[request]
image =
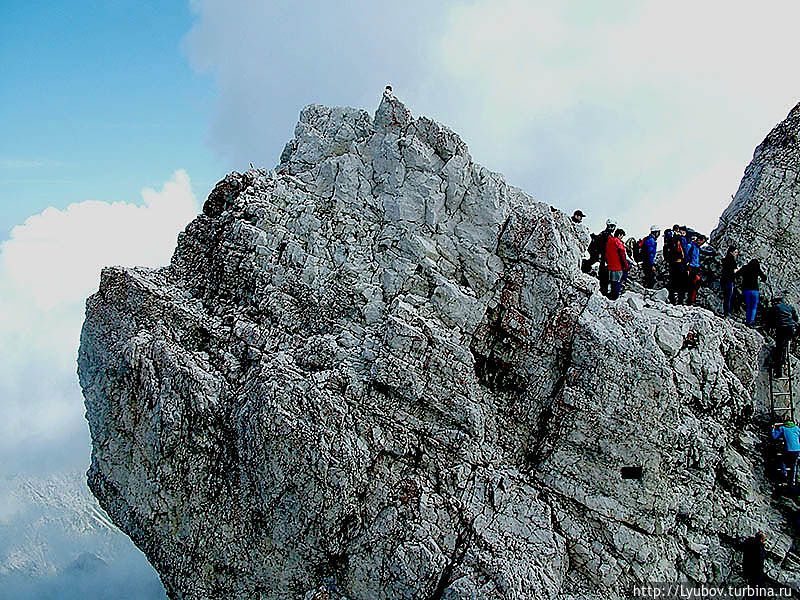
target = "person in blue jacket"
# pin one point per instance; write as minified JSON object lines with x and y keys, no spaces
{"x":791,"y":437}
{"x":649,"y":264}
{"x":693,"y":268}
{"x":682,"y":232}
{"x":694,"y":249}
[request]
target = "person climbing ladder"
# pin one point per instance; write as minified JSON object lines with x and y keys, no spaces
{"x":783,"y":319}
{"x":791,"y":437}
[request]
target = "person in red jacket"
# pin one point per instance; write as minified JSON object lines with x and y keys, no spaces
{"x":617,"y":261}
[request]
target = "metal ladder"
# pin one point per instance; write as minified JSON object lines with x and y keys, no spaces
{"x":781,"y":391}
{"x":781,"y":398}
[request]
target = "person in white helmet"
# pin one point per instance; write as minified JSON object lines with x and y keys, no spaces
{"x":605,"y":282}
{"x":597,"y":252}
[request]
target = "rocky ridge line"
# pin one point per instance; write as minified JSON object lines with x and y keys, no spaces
{"x":762,"y":217}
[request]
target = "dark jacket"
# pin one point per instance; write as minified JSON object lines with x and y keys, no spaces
{"x":597,"y":249}
{"x":750,"y":274}
{"x":674,"y":252}
{"x":783,"y":315}
{"x":728,"y":268}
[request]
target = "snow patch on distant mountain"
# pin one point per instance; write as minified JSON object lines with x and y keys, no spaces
{"x":56,"y":542}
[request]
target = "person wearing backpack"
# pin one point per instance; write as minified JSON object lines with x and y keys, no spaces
{"x":695,"y":269}
{"x":683,"y":232}
{"x":692,"y":268}
{"x":669,"y":233}
{"x":597,"y":252}
{"x":617,"y":260}
{"x":783,"y":319}
{"x":676,"y":260}
{"x":647,"y":253}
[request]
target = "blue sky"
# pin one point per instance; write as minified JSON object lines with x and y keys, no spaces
{"x":98,"y":101}
{"x":632,"y":110}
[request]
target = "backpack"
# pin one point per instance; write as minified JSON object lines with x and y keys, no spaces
{"x":595,"y":248}
{"x":630,"y":246}
{"x":673,"y":251}
{"x":639,"y":251}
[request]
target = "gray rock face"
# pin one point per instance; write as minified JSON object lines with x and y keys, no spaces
{"x":762,"y":218}
{"x":377,"y":372}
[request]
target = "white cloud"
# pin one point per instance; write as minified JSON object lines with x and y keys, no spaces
{"x":270,"y":59}
{"x":48,"y":267}
{"x":24,"y":163}
{"x":620,"y":107}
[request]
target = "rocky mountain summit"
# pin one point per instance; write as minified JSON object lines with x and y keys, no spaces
{"x":762,"y":218}
{"x":377,"y":372}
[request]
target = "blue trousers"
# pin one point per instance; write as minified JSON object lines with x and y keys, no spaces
{"x":751,"y":301}
{"x":727,"y":297}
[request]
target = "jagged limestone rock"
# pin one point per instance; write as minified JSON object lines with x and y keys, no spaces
{"x":377,"y":372}
{"x":762,"y":218}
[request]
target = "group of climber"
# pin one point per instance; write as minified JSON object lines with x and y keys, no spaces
{"x":682,"y":252}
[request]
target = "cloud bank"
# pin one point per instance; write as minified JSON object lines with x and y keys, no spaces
{"x":648,"y":111}
{"x":270,"y":59}
{"x":48,"y":267}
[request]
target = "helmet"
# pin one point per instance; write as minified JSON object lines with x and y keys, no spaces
{"x":611,"y":222}
{"x":653,"y":228}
